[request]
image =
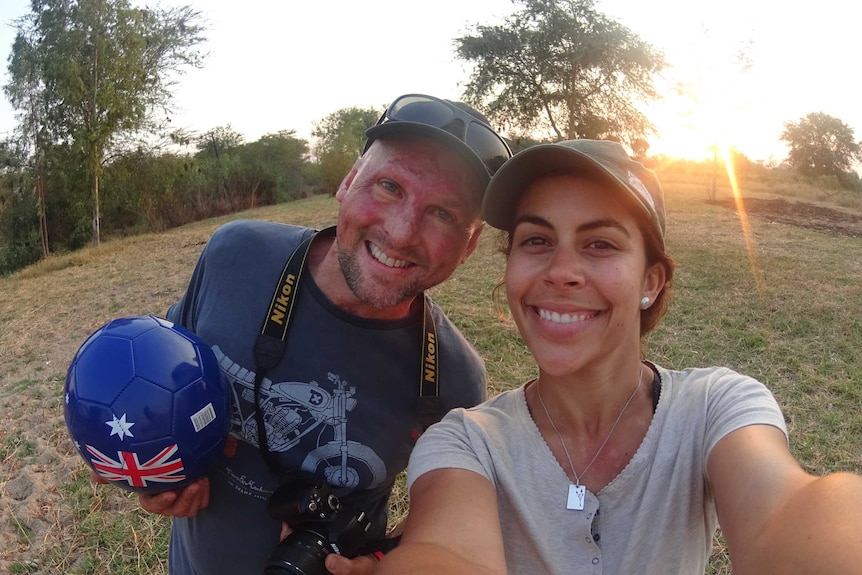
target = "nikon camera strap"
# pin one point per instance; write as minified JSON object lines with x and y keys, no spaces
{"x":270,"y":345}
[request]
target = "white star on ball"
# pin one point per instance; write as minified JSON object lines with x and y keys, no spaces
{"x":120,"y":426}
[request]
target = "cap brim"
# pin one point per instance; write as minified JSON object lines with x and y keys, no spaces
{"x":442,"y":136}
{"x":509,"y":183}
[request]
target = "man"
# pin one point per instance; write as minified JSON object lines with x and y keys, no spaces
{"x":326,"y":393}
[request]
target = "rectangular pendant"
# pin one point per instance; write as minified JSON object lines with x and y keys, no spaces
{"x":577,"y":494}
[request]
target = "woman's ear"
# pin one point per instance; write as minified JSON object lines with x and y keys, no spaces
{"x":655,"y":279}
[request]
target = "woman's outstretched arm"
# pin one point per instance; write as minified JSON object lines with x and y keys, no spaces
{"x":453,"y":527}
{"x":776,"y":517}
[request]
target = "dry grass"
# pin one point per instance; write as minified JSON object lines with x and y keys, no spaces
{"x":789,"y":316}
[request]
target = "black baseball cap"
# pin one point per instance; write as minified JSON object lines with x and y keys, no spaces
{"x":455,"y":124}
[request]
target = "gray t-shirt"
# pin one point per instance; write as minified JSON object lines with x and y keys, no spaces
{"x":656,"y":517}
{"x":341,"y":403}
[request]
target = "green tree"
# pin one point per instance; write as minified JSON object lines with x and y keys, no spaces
{"x":247,"y":175}
{"x":272,"y":167}
{"x":340,"y":140}
{"x":639,"y":148}
{"x":85,"y":72}
{"x":28,"y":95}
{"x":18,"y":233}
{"x":215,"y":152}
{"x":28,"y":219}
{"x":215,"y":142}
{"x":821,"y":145}
{"x":564,"y":66}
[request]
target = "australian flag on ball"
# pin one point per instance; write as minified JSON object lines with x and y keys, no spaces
{"x":160,"y":469}
{"x":146,"y":404}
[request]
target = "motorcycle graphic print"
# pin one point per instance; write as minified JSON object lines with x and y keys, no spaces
{"x":307,"y":416}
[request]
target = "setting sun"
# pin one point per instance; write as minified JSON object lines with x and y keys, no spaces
{"x":706,"y":100}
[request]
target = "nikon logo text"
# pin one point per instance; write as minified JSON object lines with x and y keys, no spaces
{"x":283,"y":300}
{"x":431,"y":358}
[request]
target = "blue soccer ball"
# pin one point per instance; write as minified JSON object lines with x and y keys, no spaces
{"x":146,"y":405}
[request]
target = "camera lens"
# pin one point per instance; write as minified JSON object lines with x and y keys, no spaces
{"x":301,"y":553}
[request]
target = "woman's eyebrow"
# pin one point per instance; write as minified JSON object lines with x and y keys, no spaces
{"x":586,"y":226}
{"x":535,"y":220}
{"x":604,"y":223}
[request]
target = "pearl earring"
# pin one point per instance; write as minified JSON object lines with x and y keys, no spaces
{"x":645,"y":302}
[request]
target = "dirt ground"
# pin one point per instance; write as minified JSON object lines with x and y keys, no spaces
{"x":821,"y":218}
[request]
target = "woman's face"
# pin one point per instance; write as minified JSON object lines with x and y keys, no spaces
{"x":576,"y":274}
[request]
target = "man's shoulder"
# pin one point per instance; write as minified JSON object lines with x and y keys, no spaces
{"x":251,"y":230}
{"x":461,"y":364}
{"x":255,"y":237}
{"x":446,"y":328}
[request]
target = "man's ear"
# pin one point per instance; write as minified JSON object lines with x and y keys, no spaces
{"x":474,"y":240}
{"x":345,"y":184}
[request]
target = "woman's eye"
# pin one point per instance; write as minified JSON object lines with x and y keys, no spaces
{"x":600,"y":245}
{"x":534,"y":241}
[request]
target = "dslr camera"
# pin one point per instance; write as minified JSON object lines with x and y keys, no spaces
{"x":320,"y":524}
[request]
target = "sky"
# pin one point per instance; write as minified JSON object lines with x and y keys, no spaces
{"x":285,"y":64}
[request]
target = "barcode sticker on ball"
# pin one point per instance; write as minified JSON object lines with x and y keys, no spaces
{"x":203,"y":417}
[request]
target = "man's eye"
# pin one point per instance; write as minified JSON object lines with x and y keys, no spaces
{"x":445,"y":216}
{"x":389,"y":186}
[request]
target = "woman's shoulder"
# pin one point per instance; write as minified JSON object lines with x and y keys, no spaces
{"x":496,"y":411}
{"x":708,"y":377}
{"x":499,"y":423}
{"x":704,"y":404}
{"x":506,"y":401}
{"x":717,"y":391}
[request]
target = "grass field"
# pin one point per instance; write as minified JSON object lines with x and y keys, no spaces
{"x":784,"y":306}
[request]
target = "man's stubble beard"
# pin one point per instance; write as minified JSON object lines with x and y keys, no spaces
{"x":377,"y":297}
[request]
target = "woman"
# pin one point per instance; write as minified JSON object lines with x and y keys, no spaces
{"x":606,"y":463}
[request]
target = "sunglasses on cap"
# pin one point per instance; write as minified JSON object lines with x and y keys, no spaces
{"x":478,"y":136}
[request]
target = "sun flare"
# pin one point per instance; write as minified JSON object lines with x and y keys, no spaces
{"x":750,"y":247}
{"x":705,"y":117}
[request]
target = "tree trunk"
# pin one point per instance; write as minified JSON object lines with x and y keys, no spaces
{"x":713,"y":192}
{"x":254,"y":187}
{"x":97,"y":234}
{"x":43,"y":217}
{"x":95,"y":155}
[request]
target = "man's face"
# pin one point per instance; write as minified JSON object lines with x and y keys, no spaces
{"x":410,"y":214}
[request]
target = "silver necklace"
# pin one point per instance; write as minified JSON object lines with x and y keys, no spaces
{"x":577,"y":492}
